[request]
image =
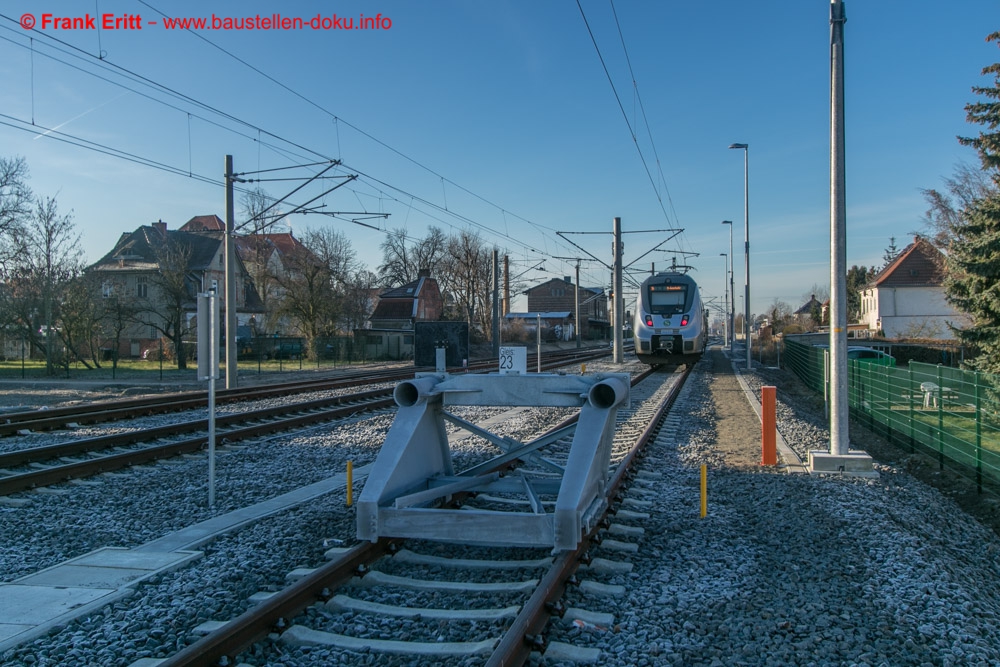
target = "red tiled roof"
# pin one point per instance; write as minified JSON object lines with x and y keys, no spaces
{"x":920,"y":264}
{"x":393,"y":309}
{"x":201,"y":223}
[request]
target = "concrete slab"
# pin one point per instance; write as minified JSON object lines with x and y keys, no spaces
{"x":345,"y":602}
{"x":598,"y":618}
{"x":84,"y":576}
{"x":407,"y":556}
{"x":562,"y":652}
{"x":617,"y":545}
{"x":298,"y":635}
{"x":855,"y":463}
{"x":598,"y":589}
{"x":33,"y":605}
{"x":627,"y":531}
{"x":376,"y":578}
{"x":8,"y":630}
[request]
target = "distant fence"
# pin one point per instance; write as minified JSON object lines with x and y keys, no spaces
{"x":948,"y":413}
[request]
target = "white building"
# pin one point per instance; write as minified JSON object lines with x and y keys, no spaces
{"x":907,"y":300}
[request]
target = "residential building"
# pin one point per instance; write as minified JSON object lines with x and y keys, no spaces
{"x":906,"y":299}
{"x":152,"y":271}
{"x":397,"y":310}
{"x":559,"y":295}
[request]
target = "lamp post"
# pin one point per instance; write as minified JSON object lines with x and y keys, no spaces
{"x":746,"y":242}
{"x":732,"y":290}
{"x":725,"y":286}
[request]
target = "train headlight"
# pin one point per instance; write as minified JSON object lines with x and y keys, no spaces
{"x":684,"y":321}
{"x":649,"y":320}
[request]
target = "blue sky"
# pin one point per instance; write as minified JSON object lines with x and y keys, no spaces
{"x":498,"y":116}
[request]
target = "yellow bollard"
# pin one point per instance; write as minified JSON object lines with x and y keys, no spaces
{"x":583,"y":369}
{"x":350,"y":483}
{"x":704,"y":490}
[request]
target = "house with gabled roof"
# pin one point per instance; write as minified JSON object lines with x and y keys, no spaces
{"x":559,"y":294}
{"x":132,"y":273}
{"x":396,"y":313}
{"x":906,"y":299}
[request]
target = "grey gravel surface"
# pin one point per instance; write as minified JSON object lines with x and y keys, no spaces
{"x":784,"y":570}
{"x":130,"y":508}
{"x":795,"y":569}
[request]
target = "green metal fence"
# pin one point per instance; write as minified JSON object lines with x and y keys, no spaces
{"x":948,"y":413}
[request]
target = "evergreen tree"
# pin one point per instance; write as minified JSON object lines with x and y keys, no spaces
{"x":987,"y":113}
{"x":972,"y":280}
{"x":890,"y":253}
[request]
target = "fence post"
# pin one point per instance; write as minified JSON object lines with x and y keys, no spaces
{"x":979,"y":438}
{"x":940,"y":407}
{"x":909,"y":368}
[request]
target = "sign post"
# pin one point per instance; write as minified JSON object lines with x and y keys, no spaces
{"x":208,"y":369}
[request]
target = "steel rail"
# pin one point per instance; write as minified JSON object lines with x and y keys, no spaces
{"x":225,"y":643}
{"x":56,"y":474}
{"x":268,"y":615}
{"x":525,"y":633}
{"x":103,"y":411}
{"x":62,"y":473}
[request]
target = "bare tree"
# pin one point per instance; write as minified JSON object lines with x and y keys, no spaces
{"x":943,"y":216}
{"x":309,"y":300}
{"x":16,"y":202}
{"x":80,"y":315}
{"x":258,"y":251}
{"x":48,"y":248}
{"x":398,"y":267}
{"x":403,"y":258}
{"x":357,"y":302}
{"x":164,"y":306}
{"x":117,"y":313}
{"x":467,"y":280}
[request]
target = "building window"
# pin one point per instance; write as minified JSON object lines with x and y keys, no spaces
{"x":107,"y":290}
{"x":141,"y":287}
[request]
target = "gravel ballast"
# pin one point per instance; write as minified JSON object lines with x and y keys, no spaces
{"x":784,"y":570}
{"x":795,"y":569}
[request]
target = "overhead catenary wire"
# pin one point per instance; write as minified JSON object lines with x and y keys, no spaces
{"x":621,"y":106}
{"x":70,"y":50}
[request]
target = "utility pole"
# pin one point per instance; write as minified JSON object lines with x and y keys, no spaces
{"x":496,"y":303}
{"x":576,"y":305}
{"x":506,"y":286}
{"x":230,"y":262}
{"x":619,"y":301}
{"x":839,"y":418}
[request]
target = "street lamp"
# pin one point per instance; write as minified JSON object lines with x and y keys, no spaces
{"x":732,"y":289}
{"x":746,"y":241}
{"x":725,"y":285}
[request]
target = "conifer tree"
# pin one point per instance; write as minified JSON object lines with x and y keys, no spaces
{"x":972,"y":279}
{"x":972,"y":276}
{"x":987,"y":113}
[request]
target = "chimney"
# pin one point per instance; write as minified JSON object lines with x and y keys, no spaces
{"x":161,"y":227}
{"x":568,"y":279}
{"x":424,"y":273}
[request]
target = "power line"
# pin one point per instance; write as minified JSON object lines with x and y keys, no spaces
{"x":614,"y":90}
{"x":357,"y":129}
{"x":70,"y":50}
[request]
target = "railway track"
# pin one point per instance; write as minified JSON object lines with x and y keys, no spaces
{"x":20,"y":423}
{"x":52,"y":464}
{"x":503,"y":598}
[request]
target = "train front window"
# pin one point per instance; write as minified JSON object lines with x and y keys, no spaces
{"x":667,"y":299}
